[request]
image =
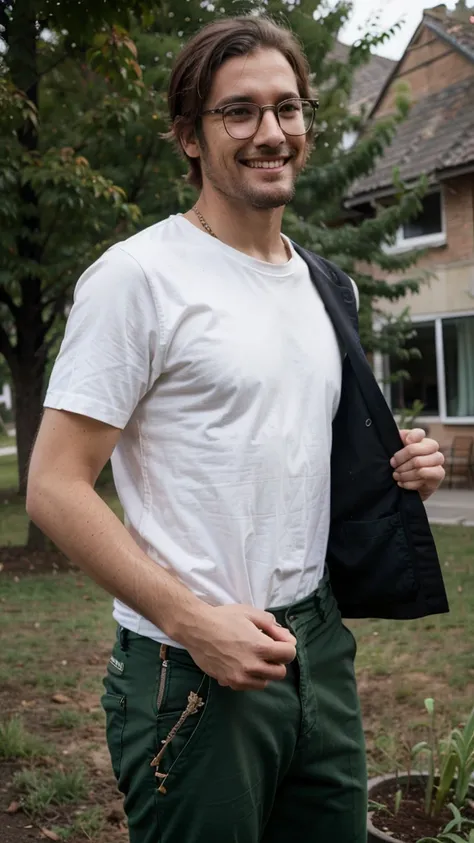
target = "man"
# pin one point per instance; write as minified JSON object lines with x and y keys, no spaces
{"x":199,"y":355}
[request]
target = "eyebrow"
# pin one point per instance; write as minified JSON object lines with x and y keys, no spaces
{"x":289,"y":95}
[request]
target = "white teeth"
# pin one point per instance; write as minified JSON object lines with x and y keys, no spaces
{"x":266,"y":165}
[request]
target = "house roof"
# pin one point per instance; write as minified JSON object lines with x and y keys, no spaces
{"x":368,"y":80}
{"x":437,"y":136}
{"x":458,"y":33}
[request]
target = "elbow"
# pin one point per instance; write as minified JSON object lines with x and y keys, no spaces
{"x":38,"y":497}
{"x":33,"y":501}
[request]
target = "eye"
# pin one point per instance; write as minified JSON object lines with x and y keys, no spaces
{"x":290,"y":107}
{"x":239,"y":111}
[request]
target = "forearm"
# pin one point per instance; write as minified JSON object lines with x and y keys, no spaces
{"x":81,"y":524}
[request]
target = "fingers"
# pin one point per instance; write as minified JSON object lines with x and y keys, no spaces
{"x":425,"y":447}
{"x":257,"y":677}
{"x":420,"y":466}
{"x":266,"y":622}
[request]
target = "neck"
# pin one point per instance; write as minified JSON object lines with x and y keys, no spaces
{"x":249,"y":230}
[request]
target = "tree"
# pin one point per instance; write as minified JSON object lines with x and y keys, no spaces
{"x":56,"y":211}
{"x":82,"y":161}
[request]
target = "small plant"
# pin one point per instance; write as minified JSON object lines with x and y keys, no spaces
{"x":457,"y":824}
{"x":41,"y":791}
{"x":16,"y":742}
{"x":407,"y":416}
{"x":89,"y":825}
{"x":66,"y":719}
{"x":450,"y":763}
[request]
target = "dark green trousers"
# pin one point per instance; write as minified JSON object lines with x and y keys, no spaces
{"x":199,"y":763}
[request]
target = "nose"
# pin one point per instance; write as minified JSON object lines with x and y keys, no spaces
{"x":269,"y":132}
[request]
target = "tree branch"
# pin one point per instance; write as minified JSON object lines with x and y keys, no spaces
{"x":5,"y":298}
{"x":59,"y":305}
{"x":6,"y":348}
{"x":54,"y":64}
{"x":135,"y":190}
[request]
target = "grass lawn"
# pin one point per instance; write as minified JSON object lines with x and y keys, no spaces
{"x":5,"y":440}
{"x":55,"y":637}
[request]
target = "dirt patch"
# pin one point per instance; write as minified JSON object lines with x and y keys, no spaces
{"x":410,"y":823}
{"x":20,"y":562}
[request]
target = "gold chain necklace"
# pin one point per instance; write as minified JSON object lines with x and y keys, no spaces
{"x":209,"y":230}
{"x":203,"y":222}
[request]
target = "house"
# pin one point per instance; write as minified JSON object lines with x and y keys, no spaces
{"x":437,"y":140}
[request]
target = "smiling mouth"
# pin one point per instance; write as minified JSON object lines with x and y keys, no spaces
{"x":269,"y":164}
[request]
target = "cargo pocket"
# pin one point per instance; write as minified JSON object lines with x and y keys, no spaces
{"x":371,"y":560}
{"x":115,"y":707}
{"x":182,"y":709}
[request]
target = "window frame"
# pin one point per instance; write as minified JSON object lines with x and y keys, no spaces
{"x":437,"y":319}
{"x":406,"y":244}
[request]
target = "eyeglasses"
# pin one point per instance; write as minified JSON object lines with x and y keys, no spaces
{"x":242,"y":119}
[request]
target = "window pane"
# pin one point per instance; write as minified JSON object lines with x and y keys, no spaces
{"x":423,"y":382}
{"x":458,"y":341}
{"x":428,"y":221}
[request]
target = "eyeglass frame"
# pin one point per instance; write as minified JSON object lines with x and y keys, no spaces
{"x":262,"y":109}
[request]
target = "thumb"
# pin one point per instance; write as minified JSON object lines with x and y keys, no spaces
{"x":410,"y":437}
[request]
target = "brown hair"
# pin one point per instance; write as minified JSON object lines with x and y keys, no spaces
{"x":193,"y":72}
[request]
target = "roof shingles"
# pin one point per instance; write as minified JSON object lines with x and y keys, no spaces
{"x":439,"y":132}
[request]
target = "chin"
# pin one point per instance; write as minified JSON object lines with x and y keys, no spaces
{"x":271,"y":199}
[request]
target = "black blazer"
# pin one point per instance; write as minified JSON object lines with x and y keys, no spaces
{"x":381,"y":554}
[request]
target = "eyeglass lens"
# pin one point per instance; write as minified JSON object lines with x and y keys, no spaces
{"x":294,"y":116}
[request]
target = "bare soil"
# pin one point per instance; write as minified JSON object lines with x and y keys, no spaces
{"x":410,"y":823}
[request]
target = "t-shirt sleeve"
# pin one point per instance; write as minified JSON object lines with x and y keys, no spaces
{"x":111,"y":352}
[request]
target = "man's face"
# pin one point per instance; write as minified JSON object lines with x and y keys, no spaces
{"x":235,"y":168}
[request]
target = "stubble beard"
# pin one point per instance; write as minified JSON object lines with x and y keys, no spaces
{"x":256,"y":199}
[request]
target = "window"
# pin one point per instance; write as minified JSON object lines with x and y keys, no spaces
{"x":458,"y":342}
{"x":427,"y":229}
{"x":422,"y":384}
{"x":429,"y":220}
{"x":442,"y":377}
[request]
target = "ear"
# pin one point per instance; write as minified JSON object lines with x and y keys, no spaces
{"x":190,"y":143}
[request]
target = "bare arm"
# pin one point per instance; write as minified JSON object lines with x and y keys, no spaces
{"x":69,"y":454}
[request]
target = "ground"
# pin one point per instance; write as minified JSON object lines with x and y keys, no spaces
{"x":56,"y":632}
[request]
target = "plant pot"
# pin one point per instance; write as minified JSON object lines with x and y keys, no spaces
{"x":375,"y":835}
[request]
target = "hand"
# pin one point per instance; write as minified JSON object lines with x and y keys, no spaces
{"x":419,"y":464}
{"x":242,"y":647}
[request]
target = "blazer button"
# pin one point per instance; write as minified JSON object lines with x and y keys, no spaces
{"x":368,"y":422}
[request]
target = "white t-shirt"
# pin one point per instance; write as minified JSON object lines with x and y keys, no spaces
{"x":224,"y":373}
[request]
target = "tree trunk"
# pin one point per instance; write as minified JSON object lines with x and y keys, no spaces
{"x":29,"y":386}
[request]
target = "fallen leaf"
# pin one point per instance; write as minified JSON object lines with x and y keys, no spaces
{"x":13,"y":808}
{"x":61,"y":699}
{"x":50,"y":835}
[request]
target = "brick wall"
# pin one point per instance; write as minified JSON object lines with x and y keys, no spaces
{"x":458,"y":197}
{"x":430,"y":65}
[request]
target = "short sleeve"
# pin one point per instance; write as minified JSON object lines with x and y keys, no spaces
{"x":111,"y":353}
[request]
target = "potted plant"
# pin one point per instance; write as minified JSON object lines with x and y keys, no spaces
{"x":436,"y":805}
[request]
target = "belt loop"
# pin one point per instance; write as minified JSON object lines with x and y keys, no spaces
{"x":123,"y":639}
